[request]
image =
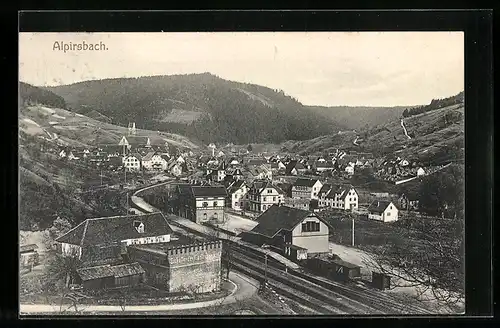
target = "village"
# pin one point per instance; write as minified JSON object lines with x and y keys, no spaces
{"x":180,"y":204}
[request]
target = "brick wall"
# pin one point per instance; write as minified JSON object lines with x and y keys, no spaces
{"x":196,"y":268}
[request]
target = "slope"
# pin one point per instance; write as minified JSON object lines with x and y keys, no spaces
{"x":359,"y":117}
{"x":434,"y":137}
{"x":49,"y":187}
{"x":202,"y":106}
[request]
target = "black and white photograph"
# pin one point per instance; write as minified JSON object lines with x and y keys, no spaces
{"x":241,"y":173}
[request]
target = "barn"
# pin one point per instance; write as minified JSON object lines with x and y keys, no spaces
{"x":108,"y":276}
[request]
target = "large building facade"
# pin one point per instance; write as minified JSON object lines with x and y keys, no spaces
{"x":201,"y":203}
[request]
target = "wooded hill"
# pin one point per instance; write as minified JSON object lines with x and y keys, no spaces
{"x":201,"y":106}
{"x":358,"y":117}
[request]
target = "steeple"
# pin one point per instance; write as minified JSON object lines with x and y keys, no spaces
{"x":131,"y":129}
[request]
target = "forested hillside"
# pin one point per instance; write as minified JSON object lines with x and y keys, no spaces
{"x":201,"y":106}
{"x":359,"y":117}
{"x":29,"y":94}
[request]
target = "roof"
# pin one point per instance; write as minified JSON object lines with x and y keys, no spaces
{"x":103,"y":271}
{"x":256,"y":161}
{"x":324,"y":189}
{"x":113,"y":229}
{"x":260,"y":185}
{"x":278,"y":218}
{"x":305,"y":182}
{"x":148,"y":156}
{"x":235,"y":186}
{"x":379,"y":206}
{"x":324,"y":164}
{"x":136,"y":155}
{"x":341,"y":190}
{"x":208,"y":191}
{"x":137,"y":140}
{"x":28,"y":248}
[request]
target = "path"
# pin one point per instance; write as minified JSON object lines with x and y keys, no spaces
{"x":243,"y":288}
{"x":404,"y":128}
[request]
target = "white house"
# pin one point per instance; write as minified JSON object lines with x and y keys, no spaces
{"x":109,"y":231}
{"x":237,"y":192}
{"x":181,"y":160}
{"x":154,"y":161}
{"x":349,"y":169}
{"x":383,"y":210}
{"x":339,"y":197}
{"x":175,"y":168}
{"x":306,"y":188}
{"x":132,"y":162}
{"x":404,"y":162}
{"x":420,"y":172}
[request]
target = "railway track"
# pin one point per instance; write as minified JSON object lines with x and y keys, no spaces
{"x":334,"y":300}
{"x":345,"y":298}
{"x":316,"y":306}
{"x":372,"y":299}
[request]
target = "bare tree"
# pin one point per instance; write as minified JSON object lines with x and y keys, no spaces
{"x":432,"y":263}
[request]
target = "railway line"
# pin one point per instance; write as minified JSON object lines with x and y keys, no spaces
{"x":320,"y":294}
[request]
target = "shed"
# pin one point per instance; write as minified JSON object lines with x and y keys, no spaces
{"x":295,"y":253}
{"x":107,"y":276}
{"x":380,"y":280}
{"x":335,"y":269}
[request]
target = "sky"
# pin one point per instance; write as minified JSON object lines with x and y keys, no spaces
{"x":317,"y":68}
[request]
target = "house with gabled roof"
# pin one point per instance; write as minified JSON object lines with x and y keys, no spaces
{"x":383,"y":210}
{"x":132,"y":162}
{"x":154,"y":161}
{"x":237,"y":191}
{"x":262,"y":194}
{"x":342,"y":197}
{"x":284,"y":227}
{"x":201,"y":203}
{"x":104,"y":238}
{"x":306,"y":188}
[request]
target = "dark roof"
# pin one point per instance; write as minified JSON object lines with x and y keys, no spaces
{"x":113,"y":229}
{"x":324,"y":164}
{"x":325,"y":189}
{"x":341,"y":190}
{"x":277,"y":218}
{"x":305,"y":182}
{"x":212,"y":191}
{"x":137,"y":140}
{"x":235,"y":186}
{"x":28,"y":248}
{"x":256,"y":161}
{"x":290,"y":166}
{"x":378,"y":206}
{"x":259,"y":185}
{"x":103,"y":271}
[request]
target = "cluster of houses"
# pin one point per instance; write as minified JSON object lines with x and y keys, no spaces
{"x":133,"y":153}
{"x":399,"y":168}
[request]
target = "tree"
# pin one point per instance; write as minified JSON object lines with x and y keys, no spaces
{"x":443,"y":192}
{"x":428,"y":256}
{"x":63,"y":267}
{"x":406,"y":113}
{"x":249,"y":147}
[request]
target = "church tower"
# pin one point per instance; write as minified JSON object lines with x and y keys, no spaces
{"x":131,"y":129}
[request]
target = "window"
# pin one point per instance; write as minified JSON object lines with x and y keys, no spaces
{"x":269,"y":191}
{"x":264,"y":198}
{"x":205,"y":204}
{"x":388,"y":213}
{"x":310,"y":226}
{"x":215,"y":204}
{"x":350,"y":199}
{"x":274,"y":199}
{"x":235,"y":203}
{"x":390,"y":207}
